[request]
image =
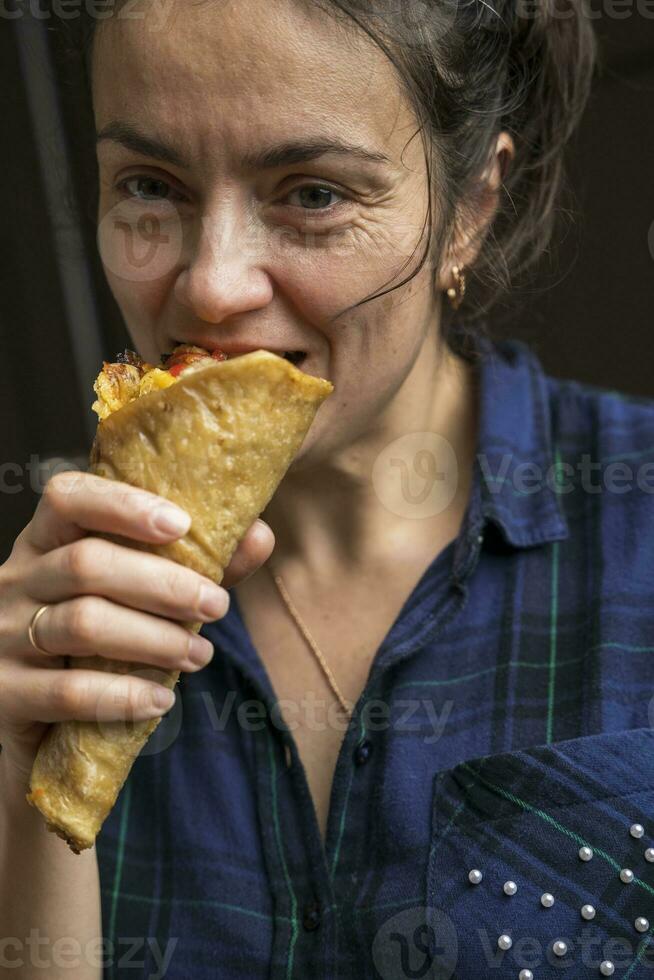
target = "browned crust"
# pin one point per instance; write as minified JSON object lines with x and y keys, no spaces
{"x":236,"y":425}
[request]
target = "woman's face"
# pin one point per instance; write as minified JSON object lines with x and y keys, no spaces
{"x":258,"y":177}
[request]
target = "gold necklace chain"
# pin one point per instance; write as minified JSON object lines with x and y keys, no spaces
{"x":315,"y":649}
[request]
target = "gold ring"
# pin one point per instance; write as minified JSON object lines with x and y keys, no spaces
{"x":32,"y":626}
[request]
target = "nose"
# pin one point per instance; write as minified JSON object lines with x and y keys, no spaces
{"x":223,"y":275}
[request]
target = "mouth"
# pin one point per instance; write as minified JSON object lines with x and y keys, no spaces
{"x":295,"y":357}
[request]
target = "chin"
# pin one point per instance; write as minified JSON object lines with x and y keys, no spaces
{"x":323,"y":446}
{"x":311,"y":453}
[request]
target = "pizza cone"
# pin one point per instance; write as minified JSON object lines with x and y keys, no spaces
{"x":217,"y":442}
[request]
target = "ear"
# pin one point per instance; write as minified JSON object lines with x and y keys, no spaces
{"x":471,"y":225}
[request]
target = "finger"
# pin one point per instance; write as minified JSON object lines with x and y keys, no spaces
{"x":91,"y":626}
{"x":83,"y":695}
{"x":130,"y":577}
{"x":254,"y":549}
{"x":75,"y":503}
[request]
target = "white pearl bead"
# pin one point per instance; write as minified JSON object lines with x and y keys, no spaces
{"x":637,"y":830}
{"x":626,"y":876}
{"x":525,"y":975}
{"x":560,"y":948}
{"x":510,"y":888}
{"x":587,"y":912}
{"x":475,"y":876}
{"x":607,"y":969}
{"x":641,"y":924}
{"x":649,"y":854}
{"x":547,"y":900}
{"x":505,"y":942}
{"x":585,"y":853}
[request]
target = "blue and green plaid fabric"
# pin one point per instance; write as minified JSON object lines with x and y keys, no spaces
{"x":505,"y":725}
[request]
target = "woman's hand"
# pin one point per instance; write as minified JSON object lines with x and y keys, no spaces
{"x":106,"y":600}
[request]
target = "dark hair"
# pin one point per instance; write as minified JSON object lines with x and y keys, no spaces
{"x":471,"y":69}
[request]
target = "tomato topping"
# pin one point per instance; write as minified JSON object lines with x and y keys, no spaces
{"x":186,"y":354}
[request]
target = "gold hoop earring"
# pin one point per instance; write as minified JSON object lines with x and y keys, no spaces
{"x":456,"y":293}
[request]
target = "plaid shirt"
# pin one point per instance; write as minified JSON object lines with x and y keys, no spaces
{"x":504,"y":726}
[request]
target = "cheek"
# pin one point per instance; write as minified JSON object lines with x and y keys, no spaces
{"x":327,"y":274}
{"x":362,"y":392}
{"x":377,"y":341}
{"x":372,"y":356}
{"x":139,"y":249}
{"x":140,"y":304}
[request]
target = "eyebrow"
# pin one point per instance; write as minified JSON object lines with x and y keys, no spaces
{"x":138,"y":142}
{"x":281,"y":155}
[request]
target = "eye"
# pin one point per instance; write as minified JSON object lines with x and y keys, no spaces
{"x":314,"y":197}
{"x":147,"y":188}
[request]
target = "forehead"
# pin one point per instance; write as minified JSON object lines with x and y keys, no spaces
{"x":232,"y":72}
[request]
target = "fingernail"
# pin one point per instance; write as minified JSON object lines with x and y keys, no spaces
{"x":263,"y":527}
{"x":171,"y":520}
{"x":200,"y":651}
{"x":214,"y":601}
{"x":162,"y":698}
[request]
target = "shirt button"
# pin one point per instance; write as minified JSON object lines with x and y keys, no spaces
{"x":362,"y":752}
{"x":311,"y":917}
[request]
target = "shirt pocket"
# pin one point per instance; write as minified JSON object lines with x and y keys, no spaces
{"x":522,"y":820}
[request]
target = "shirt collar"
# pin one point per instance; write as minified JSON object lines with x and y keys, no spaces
{"x":515,"y":468}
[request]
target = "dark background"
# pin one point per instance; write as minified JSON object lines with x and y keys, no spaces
{"x":588,"y":314}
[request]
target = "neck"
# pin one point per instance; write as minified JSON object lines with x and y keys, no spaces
{"x":350,"y":512}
